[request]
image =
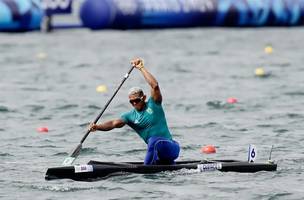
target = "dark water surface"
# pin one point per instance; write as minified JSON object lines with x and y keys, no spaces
{"x":50,"y":80}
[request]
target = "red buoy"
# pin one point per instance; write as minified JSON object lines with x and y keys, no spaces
{"x":232,"y":100}
{"x":43,"y":129}
{"x":208,"y":149}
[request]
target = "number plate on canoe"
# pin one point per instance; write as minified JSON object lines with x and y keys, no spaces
{"x":209,"y":167}
{"x":83,"y":168}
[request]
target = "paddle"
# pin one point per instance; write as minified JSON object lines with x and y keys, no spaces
{"x":69,"y":160}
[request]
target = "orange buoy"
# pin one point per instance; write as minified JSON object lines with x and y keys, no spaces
{"x":232,"y":100}
{"x":208,"y":149}
{"x":43,"y":129}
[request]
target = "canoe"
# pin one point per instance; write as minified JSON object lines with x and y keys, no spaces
{"x":95,"y":170}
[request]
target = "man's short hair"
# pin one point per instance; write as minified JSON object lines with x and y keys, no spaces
{"x":136,"y":91}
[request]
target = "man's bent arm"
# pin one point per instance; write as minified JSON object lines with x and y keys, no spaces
{"x":107,"y":126}
{"x":155,"y":90}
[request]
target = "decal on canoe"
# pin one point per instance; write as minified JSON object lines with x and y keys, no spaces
{"x":209,"y":167}
{"x":83,"y":168}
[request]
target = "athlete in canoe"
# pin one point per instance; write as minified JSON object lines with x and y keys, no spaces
{"x":148,"y":119}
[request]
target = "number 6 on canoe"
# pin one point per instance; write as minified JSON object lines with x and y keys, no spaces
{"x":69,"y":160}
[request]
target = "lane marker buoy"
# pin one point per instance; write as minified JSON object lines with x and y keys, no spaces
{"x":268,"y":49}
{"x":208,"y":149}
{"x":101,"y":88}
{"x":43,"y":129}
{"x":41,"y":55}
{"x":232,"y":100}
{"x":259,"y":71}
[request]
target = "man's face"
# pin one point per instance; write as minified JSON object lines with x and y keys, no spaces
{"x":137,"y":101}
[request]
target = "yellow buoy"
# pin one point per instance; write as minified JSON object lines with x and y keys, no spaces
{"x":41,"y":55}
{"x":101,"y":88}
{"x":259,"y":71}
{"x":268,"y":49}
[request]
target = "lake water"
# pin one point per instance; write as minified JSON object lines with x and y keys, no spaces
{"x":50,"y":80}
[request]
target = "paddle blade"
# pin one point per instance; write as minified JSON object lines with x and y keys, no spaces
{"x":69,"y":160}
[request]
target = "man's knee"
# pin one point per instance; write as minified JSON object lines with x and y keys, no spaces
{"x":167,"y":150}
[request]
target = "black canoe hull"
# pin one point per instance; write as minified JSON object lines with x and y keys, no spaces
{"x":95,"y":170}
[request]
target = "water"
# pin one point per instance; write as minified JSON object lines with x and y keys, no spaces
{"x":50,"y":80}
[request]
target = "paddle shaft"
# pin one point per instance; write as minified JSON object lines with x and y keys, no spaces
{"x":69,"y":160}
{"x":107,"y":104}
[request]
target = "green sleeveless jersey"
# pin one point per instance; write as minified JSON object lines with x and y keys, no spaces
{"x":151,"y":121}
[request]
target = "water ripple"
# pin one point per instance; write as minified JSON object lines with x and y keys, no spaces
{"x":93,"y":107}
{"x":84,"y":151}
{"x":5,"y":155}
{"x":82,"y":65}
{"x":295,"y":93}
{"x":61,"y":154}
{"x":264,"y":125}
{"x":215,"y":52}
{"x":39,"y":146}
{"x":195,"y":126}
{"x":89,"y":150}
{"x":287,"y":115}
{"x":66,"y":107}
{"x":35,"y":108}
{"x":190,"y":147}
{"x":275,"y":196}
{"x":295,"y":115}
{"x":189,"y":107}
{"x":281,"y":130}
{"x":4,"y":109}
{"x":34,"y":89}
{"x":180,"y":69}
{"x":216,"y":104}
{"x":134,"y":151}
